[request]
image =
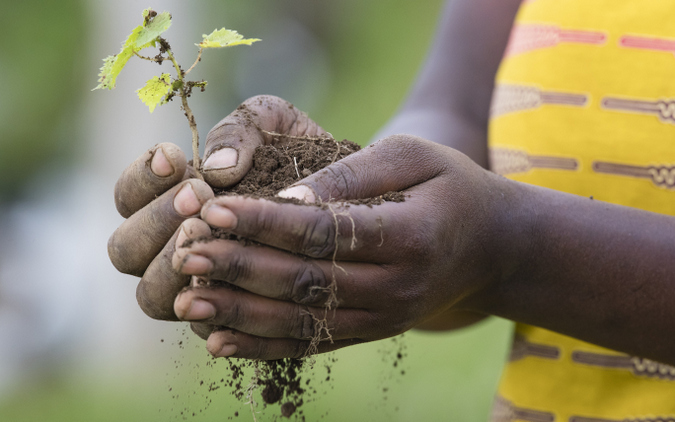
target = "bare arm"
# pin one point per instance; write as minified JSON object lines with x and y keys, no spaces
{"x":450,"y":101}
{"x":464,"y":239}
{"x":595,"y":271}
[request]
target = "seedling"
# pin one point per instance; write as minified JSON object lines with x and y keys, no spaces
{"x":163,"y":88}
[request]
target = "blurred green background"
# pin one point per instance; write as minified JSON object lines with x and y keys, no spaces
{"x":349,"y":65}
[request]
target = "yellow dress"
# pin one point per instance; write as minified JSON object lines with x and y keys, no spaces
{"x":585,"y":103}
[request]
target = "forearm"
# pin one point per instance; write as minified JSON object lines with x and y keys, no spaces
{"x":591,"y":270}
{"x":450,"y":101}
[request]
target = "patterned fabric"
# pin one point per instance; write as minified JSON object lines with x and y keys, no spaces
{"x":585,"y":103}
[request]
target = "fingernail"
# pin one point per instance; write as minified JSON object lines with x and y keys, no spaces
{"x":198,"y":309}
{"x":219,"y":346}
{"x":301,"y":192}
{"x":227,"y":351}
{"x":181,"y":238}
{"x":196,"y":265}
{"x":186,"y":202}
{"x":221,"y":159}
{"x":160,"y":165}
{"x":219,"y":216}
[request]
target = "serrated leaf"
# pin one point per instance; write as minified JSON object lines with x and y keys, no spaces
{"x":104,"y":75}
{"x":225,"y":38}
{"x":155,"y":90}
{"x":153,"y":29}
{"x":113,"y":65}
{"x":141,"y":37}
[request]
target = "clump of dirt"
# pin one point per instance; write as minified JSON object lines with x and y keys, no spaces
{"x":276,"y":167}
{"x":286,"y":161}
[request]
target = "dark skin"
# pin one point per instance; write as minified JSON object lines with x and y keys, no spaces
{"x":465,"y":243}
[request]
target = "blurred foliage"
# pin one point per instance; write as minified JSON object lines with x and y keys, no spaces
{"x":374,"y":48}
{"x":440,"y":377}
{"x":41,"y":47}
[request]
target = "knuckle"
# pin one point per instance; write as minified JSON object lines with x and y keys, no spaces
{"x":236,"y":268}
{"x":263,"y":100}
{"x":310,"y":285}
{"x":263,"y":222}
{"x":303,"y":324}
{"x":233,"y":316}
{"x":337,"y":180}
{"x":318,"y":237}
{"x":402,"y":141}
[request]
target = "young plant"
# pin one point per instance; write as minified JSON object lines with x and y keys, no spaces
{"x":163,"y":88}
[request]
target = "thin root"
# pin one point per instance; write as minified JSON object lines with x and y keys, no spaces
{"x":337,"y":151}
{"x":379,"y":223}
{"x":296,"y":168}
{"x":321,"y":333}
{"x":250,"y":389}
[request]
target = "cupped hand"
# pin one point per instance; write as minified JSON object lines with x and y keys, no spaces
{"x":343,"y":273}
{"x":159,"y":191}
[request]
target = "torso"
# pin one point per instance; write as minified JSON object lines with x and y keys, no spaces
{"x":585,"y":103}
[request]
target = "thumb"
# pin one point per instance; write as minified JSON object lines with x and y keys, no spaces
{"x":231,"y":143}
{"x":391,"y":164}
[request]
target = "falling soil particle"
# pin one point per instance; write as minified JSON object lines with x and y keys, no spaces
{"x":275,"y":167}
{"x":287,"y":409}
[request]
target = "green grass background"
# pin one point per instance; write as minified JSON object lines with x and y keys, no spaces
{"x":447,"y":377}
{"x":375,"y":49}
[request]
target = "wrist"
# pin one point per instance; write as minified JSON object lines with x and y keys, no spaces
{"x":509,"y":242}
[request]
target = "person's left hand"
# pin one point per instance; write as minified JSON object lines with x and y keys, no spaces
{"x":393,"y":265}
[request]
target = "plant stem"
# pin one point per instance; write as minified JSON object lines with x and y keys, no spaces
{"x":150,"y":59}
{"x":199,"y":58}
{"x":188,"y":112}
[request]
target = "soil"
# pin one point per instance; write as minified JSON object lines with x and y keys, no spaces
{"x":275,"y":167}
{"x":288,"y":160}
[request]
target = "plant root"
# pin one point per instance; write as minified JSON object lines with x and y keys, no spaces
{"x":296,"y":168}
{"x":250,"y":389}
{"x":321,"y":333}
{"x":307,"y":138}
{"x":379,"y":223}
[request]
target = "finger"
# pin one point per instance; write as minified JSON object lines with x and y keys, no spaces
{"x":202,"y":330}
{"x":392,"y":164}
{"x":160,"y":284}
{"x":333,"y":231}
{"x":279,"y":275}
{"x":152,"y":174}
{"x":260,"y":316}
{"x":231,"y":143}
{"x":139,"y":239}
{"x":231,"y":343}
{"x":191,"y":230}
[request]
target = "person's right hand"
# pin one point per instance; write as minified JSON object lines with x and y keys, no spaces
{"x":159,"y":190}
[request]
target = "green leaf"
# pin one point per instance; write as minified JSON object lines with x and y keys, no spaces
{"x":141,"y":37}
{"x":104,"y":75}
{"x":155,"y":90}
{"x":224,"y":38}
{"x":113,"y":65}
{"x":153,"y":29}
